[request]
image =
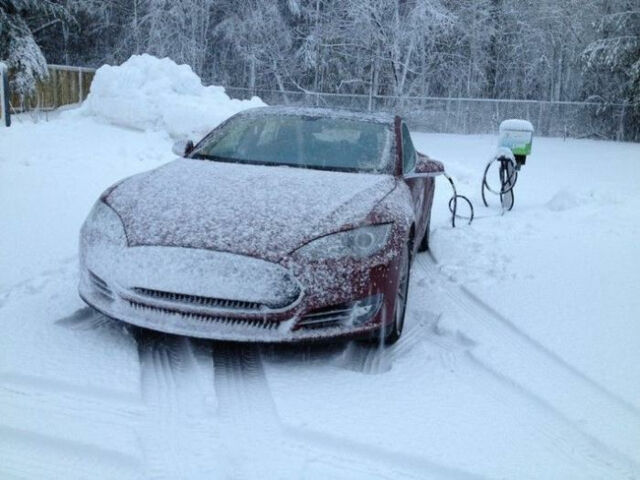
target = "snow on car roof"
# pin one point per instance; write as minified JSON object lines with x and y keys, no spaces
{"x":376,"y":117}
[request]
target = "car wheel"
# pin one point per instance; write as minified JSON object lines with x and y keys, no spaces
{"x":395,"y":330}
{"x":424,"y":244}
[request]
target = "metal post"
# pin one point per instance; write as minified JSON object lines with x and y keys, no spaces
{"x":4,"y":95}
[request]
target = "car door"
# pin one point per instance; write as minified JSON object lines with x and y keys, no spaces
{"x":420,"y":186}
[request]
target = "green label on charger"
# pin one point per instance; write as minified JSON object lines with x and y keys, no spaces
{"x":518,"y":141}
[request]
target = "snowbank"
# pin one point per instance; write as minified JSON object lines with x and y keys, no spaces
{"x":149,"y":93}
{"x":564,"y":200}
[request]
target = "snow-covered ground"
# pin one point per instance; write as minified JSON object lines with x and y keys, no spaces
{"x":519,"y":359}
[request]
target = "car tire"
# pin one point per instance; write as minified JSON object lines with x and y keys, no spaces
{"x":424,"y":243}
{"x":394,"y":331}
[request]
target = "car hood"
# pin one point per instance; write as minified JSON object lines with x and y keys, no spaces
{"x":260,"y":211}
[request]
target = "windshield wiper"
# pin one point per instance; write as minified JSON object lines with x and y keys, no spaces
{"x":216,"y":158}
{"x":204,"y":156}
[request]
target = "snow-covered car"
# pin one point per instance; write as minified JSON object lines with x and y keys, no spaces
{"x":282,"y":224}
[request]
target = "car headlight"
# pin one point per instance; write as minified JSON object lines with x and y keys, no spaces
{"x":103,"y":226}
{"x":359,"y":242}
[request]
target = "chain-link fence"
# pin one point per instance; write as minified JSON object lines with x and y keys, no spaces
{"x":475,"y":115}
{"x":66,"y":85}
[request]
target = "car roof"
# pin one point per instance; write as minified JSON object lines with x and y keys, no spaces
{"x":374,"y":117}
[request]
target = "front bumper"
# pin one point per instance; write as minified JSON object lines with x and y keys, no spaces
{"x":222,"y":296}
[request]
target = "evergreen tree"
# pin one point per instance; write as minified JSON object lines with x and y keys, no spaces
{"x":612,"y":61}
{"x":17,"y":46}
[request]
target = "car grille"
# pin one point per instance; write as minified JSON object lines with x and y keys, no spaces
{"x":198,"y":300}
{"x":205,"y":318}
{"x":100,"y":285}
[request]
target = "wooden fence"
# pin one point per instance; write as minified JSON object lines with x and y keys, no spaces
{"x":65,"y":85}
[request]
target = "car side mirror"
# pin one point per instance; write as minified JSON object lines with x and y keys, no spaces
{"x":426,"y":167}
{"x":182,"y":148}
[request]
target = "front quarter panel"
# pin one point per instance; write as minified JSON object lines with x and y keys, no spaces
{"x":397,"y":207}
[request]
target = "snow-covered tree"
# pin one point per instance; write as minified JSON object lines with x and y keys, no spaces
{"x":616,"y":51}
{"x":532,"y":49}
{"x":18,"y":48}
{"x":612,"y":61}
{"x":179,"y":30}
{"x":260,"y":39}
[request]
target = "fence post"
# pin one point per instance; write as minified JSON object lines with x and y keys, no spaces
{"x":79,"y":85}
{"x":4,"y":95}
{"x":54,"y":74}
{"x":620,"y":133}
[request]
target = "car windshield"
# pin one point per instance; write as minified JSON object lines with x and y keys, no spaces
{"x":300,"y":141}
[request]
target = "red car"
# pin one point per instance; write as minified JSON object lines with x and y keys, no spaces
{"x":282,"y":224}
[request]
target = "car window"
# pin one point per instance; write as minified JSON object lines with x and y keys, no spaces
{"x":302,"y":141}
{"x":408,"y":151}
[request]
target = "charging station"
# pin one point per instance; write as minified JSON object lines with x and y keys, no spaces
{"x":514,"y":144}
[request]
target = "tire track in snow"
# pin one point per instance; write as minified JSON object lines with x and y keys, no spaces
{"x":370,"y":359}
{"x":87,"y":319}
{"x":490,"y":311}
{"x":416,"y":332}
{"x":242,"y":390}
{"x":374,"y":460}
{"x":85,"y":419}
{"x":24,"y":384}
{"x":26,"y":454}
{"x":51,"y":427}
{"x":578,"y":448}
{"x":250,"y":427}
{"x":375,"y":359}
{"x":528,"y":366}
{"x":428,"y":264}
{"x":549,"y":429}
{"x":158,"y":391}
{"x":260,"y":445}
{"x":177,"y":433}
{"x":575,"y":444}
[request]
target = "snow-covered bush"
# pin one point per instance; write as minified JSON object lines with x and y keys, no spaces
{"x":146,"y":92}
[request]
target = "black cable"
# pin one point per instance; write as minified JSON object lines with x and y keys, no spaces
{"x":507,"y":199}
{"x":507,"y":181}
{"x":453,"y":204}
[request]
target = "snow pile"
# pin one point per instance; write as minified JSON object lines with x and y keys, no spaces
{"x":564,"y":200}
{"x":149,"y":93}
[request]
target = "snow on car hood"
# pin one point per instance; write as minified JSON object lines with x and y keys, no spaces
{"x":246,"y":209}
